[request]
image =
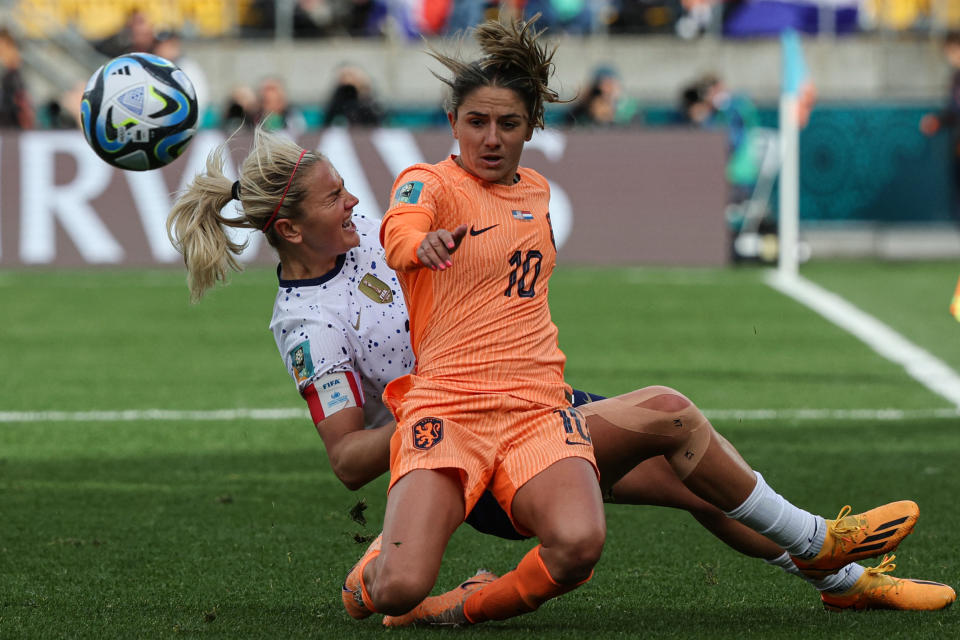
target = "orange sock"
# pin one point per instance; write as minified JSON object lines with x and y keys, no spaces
{"x":363,"y":587}
{"x":519,"y":591}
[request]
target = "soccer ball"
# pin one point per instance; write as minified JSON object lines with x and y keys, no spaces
{"x":139,"y":111}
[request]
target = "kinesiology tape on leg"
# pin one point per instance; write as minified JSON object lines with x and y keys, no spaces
{"x":664,"y":414}
{"x":520,"y":591}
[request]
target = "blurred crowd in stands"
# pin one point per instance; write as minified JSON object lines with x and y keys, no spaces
{"x":115,"y":27}
{"x":351,"y":102}
{"x":16,"y":110}
{"x":704,"y":102}
{"x":599,"y":103}
{"x":99,"y":19}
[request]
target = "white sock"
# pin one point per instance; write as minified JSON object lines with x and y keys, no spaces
{"x":765,"y":511}
{"x":837,"y":582}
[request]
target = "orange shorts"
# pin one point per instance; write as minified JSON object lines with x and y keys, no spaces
{"x":496,"y":441}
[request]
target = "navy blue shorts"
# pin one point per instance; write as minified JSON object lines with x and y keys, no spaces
{"x":488,"y":517}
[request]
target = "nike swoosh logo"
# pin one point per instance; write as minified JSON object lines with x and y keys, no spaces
{"x":467,"y":585}
{"x":476,"y":232}
{"x":356,"y":325}
{"x":816,"y":525}
{"x":586,"y":444}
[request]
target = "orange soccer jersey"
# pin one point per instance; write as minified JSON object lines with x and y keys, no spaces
{"x":483,"y":324}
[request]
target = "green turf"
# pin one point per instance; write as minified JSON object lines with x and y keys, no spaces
{"x":239,"y":529}
{"x":722,"y":337}
{"x":911,"y":297}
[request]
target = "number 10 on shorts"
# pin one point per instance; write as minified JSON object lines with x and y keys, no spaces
{"x":574,"y":426}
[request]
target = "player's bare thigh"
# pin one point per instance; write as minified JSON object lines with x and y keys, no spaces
{"x":424,"y":508}
{"x":563,"y":507}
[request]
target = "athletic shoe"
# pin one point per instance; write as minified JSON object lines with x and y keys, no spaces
{"x":876,"y":590}
{"x":864,"y":535}
{"x":445,"y":609}
{"x":352,"y":592}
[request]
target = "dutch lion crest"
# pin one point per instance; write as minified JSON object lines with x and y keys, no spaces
{"x":427,"y":433}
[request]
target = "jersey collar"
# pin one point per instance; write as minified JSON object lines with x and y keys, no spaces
{"x":312,"y":282}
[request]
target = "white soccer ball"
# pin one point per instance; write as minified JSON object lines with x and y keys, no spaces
{"x":139,"y":111}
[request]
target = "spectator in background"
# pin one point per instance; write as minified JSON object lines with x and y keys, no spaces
{"x":314,"y":18}
{"x":64,"y":111}
{"x":242,"y":110}
{"x":138,"y":34}
{"x":256,"y":18}
{"x":277,"y":114}
{"x":432,"y":16}
{"x":698,"y":16}
{"x":570,"y":16}
{"x":352,"y":101}
{"x":465,"y":14}
{"x":949,"y":116}
{"x":708,"y":103}
{"x":643,"y":16}
{"x":169,"y":45}
{"x":366,"y":17}
{"x":603,"y":104}
{"x":16,"y":110}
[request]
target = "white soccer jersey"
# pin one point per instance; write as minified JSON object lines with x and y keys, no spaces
{"x":345,"y":335}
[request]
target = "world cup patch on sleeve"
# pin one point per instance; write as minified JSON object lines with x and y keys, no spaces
{"x":300,"y":361}
{"x":409,"y":192}
{"x":331,"y":393}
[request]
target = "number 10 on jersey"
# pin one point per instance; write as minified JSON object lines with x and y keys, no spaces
{"x":520,"y":276}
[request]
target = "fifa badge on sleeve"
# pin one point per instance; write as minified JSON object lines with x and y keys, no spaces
{"x":300,"y":361}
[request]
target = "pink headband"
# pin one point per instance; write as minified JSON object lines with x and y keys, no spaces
{"x":289,"y":182}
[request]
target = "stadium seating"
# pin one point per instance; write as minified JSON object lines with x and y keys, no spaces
{"x":99,"y":19}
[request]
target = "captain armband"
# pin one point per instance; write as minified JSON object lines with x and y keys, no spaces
{"x":332,"y":392}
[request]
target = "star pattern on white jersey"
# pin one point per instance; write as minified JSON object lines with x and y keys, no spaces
{"x":354,"y":319}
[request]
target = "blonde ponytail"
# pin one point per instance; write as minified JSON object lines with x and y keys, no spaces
{"x":199,"y":231}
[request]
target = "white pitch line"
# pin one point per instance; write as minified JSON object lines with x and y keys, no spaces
{"x":136,"y":415}
{"x":222,"y":415}
{"x":920,"y":364}
{"x":831,"y":414}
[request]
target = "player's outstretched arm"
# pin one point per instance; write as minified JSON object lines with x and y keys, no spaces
{"x":357,"y":455}
{"x":410,"y":243}
{"x":438,"y":246}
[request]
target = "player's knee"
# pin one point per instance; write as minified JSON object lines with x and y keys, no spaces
{"x":664,"y":412}
{"x":686,"y":416}
{"x":693,"y":436}
{"x":665,"y":399}
{"x":396,"y":593}
{"x":576,"y":551}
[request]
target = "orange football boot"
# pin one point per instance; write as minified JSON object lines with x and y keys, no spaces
{"x":864,"y":535}
{"x":444,"y":609}
{"x":877,"y":590}
{"x":352,"y":591}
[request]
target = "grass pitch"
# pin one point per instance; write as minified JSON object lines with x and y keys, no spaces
{"x":139,"y":527}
